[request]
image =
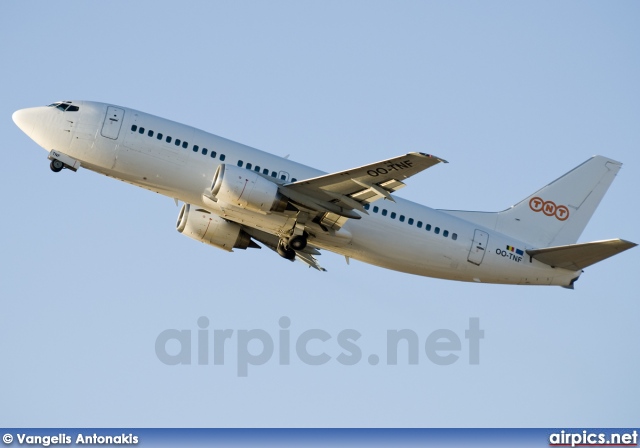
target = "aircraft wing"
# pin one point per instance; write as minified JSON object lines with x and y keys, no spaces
{"x":349,"y":190}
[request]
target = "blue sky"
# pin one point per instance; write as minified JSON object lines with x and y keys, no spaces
{"x":513,"y":95}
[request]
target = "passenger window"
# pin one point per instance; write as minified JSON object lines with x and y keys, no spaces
{"x":366,"y":206}
{"x":204,"y":151}
{"x":134,"y":128}
{"x":159,"y":136}
{"x":240,"y":163}
{"x":150,"y":133}
{"x":428,"y":227}
{"x":445,"y":233}
{"x":454,"y":236}
{"x":222,"y":157}
{"x":141,"y":130}
{"x":196,"y":148}
{"x":257,"y":169}
{"x":185,"y":145}
{"x":177,"y":143}
{"x":213,"y":154}
{"x":274,"y":174}
{"x":436,"y":230}
{"x":419,"y":224}
{"x":168,"y":139}
{"x":293,"y":179}
{"x":249,"y":166}
{"x":401,"y":218}
{"x":265,"y":171}
{"x":393,"y":215}
{"x":375,"y":209}
{"x":410,"y":221}
{"x":384,"y":212}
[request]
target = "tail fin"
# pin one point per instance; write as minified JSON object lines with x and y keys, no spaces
{"x":556,"y":214}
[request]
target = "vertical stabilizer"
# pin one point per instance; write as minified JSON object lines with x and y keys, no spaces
{"x":558,"y":213}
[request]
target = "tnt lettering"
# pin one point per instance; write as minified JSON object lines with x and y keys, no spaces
{"x":549,"y":208}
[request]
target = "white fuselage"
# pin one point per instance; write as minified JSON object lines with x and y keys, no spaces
{"x":388,"y":237}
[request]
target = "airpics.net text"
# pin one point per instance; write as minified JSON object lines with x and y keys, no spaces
{"x":256,"y":347}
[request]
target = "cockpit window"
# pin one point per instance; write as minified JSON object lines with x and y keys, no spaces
{"x":66,"y":106}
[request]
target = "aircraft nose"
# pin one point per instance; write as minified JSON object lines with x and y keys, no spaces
{"x":25,"y":120}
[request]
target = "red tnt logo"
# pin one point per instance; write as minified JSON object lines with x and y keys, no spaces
{"x":549,"y":208}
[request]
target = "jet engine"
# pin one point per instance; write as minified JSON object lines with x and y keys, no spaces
{"x":246,"y":189}
{"x":208,"y":228}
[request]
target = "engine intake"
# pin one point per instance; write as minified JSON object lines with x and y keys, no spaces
{"x":246,"y":189}
{"x":211,"y":229}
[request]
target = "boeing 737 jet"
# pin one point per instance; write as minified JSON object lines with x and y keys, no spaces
{"x":236,"y":196}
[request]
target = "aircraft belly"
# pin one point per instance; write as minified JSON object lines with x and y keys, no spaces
{"x":143,"y":169}
{"x":408,"y":252}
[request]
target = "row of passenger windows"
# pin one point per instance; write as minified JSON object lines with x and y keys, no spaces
{"x":177,"y":142}
{"x":411,"y":221}
{"x":205,"y":151}
{"x":265,"y":171}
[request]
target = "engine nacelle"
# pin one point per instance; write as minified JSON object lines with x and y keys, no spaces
{"x":246,"y":189}
{"x":211,"y":229}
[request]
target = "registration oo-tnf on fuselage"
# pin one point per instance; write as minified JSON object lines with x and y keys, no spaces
{"x":235,"y":196}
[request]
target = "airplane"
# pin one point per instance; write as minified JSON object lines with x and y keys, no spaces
{"x":235,"y":197}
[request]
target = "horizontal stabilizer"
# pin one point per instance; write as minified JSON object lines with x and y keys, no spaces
{"x":578,"y":256}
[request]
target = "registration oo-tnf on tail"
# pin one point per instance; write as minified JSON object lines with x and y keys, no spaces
{"x":236,"y":196}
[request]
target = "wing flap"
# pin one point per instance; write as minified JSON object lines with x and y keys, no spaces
{"x":578,"y":256}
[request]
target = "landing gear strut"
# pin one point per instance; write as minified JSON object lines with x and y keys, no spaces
{"x":56,"y":166}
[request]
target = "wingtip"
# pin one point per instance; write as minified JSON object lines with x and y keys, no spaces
{"x":626,"y":244}
{"x":424,"y":154}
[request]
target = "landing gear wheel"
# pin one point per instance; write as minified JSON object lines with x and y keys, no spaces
{"x":285,"y":251}
{"x":298,"y":242}
{"x":56,"y":166}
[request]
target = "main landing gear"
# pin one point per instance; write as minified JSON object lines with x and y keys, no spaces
{"x":298,"y":242}
{"x":285,"y":251}
{"x":287,"y":247}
